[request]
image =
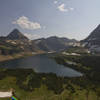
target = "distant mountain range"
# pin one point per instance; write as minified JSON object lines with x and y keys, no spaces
{"x":54,"y":43}
{"x":17,"y":40}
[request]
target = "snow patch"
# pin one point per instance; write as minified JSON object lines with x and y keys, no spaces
{"x":38,"y":41}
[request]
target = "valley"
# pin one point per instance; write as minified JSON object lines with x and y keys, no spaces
{"x":29,"y":85}
{"x":50,"y":50}
{"x":50,"y":68}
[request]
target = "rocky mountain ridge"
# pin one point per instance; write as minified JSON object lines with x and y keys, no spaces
{"x":92,"y":42}
{"x":17,"y":39}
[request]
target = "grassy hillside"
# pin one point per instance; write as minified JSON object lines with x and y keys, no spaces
{"x":29,"y":85}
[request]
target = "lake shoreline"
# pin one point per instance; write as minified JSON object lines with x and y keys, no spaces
{"x":41,"y":63}
{"x":4,"y":58}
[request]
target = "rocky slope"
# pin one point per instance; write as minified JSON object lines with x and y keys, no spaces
{"x":93,"y":40}
{"x":54,"y":43}
{"x":16,"y":35}
{"x":16,"y":41}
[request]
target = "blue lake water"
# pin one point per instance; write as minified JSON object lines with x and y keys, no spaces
{"x":41,"y":64}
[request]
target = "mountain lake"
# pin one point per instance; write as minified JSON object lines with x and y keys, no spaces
{"x":41,"y":64}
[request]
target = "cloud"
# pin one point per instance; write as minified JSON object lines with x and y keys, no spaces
{"x":55,"y":2}
{"x":62,"y":8}
{"x":25,"y":23}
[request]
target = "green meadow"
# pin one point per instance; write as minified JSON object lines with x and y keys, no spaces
{"x":28,"y":85}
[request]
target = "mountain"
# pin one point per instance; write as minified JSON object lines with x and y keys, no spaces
{"x":54,"y":43}
{"x":16,"y":39}
{"x":17,"y":42}
{"x":93,"y":40}
{"x":16,"y":35}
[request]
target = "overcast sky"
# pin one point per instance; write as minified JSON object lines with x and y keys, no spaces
{"x":43,"y":18}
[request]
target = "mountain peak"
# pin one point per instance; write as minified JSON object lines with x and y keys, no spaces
{"x":16,"y":35}
{"x":16,"y":30}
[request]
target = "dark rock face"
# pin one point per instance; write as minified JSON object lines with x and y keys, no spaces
{"x":93,"y":40}
{"x":16,"y":35}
